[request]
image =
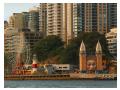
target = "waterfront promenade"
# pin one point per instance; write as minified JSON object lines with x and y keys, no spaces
{"x":63,"y":77}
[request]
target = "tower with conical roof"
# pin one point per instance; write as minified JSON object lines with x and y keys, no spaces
{"x":99,"y":56}
{"x":82,"y":58}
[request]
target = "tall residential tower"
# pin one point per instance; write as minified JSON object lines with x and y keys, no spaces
{"x":54,"y":19}
{"x":43,"y":18}
{"x":34,"y":19}
{"x":68,"y":19}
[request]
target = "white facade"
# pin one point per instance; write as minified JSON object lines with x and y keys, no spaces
{"x":51,"y":68}
{"x":112,"y":41}
{"x":61,"y":66}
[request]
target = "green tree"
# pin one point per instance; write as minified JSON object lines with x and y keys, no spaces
{"x":70,"y":54}
{"x":48,"y":47}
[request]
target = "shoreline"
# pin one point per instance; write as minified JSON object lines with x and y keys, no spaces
{"x":54,"y":77}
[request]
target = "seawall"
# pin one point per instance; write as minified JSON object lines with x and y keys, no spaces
{"x":60,"y":77}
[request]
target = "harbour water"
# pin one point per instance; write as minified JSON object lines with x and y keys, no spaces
{"x":60,"y":84}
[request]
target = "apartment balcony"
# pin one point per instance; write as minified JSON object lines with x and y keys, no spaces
{"x":50,"y":20}
{"x":50,"y":33}
{"x":50,"y":28}
{"x":50,"y":25}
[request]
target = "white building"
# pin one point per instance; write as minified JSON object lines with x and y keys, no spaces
{"x":61,"y":66}
{"x":112,"y":42}
{"x":52,"y":68}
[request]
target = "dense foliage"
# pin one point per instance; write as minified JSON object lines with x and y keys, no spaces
{"x":48,"y":47}
{"x":53,"y":45}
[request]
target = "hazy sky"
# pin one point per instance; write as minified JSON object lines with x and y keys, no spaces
{"x":10,"y":8}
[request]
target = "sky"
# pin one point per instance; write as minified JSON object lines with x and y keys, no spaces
{"x":10,"y":8}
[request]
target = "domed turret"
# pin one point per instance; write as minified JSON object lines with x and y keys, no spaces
{"x":82,"y":48}
{"x":98,"y":47}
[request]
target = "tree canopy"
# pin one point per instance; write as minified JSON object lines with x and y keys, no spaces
{"x":48,"y":47}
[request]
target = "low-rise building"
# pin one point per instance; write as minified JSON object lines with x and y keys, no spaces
{"x":112,"y":42}
{"x":52,"y":68}
{"x":61,"y":66}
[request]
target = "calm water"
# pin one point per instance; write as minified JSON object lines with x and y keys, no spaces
{"x":61,"y":84}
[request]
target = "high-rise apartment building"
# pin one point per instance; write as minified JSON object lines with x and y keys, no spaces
{"x":33,"y":24}
{"x":19,"y":21}
{"x":67,"y":22}
{"x":112,"y":15}
{"x":11,"y":22}
{"x":78,"y":18}
{"x":68,"y":19}
{"x":25,"y":19}
{"x":64,"y":21}
{"x":16,"y":21}
{"x":88,"y":17}
{"x":43,"y":18}
{"x":100,"y":17}
{"x":54,"y":19}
